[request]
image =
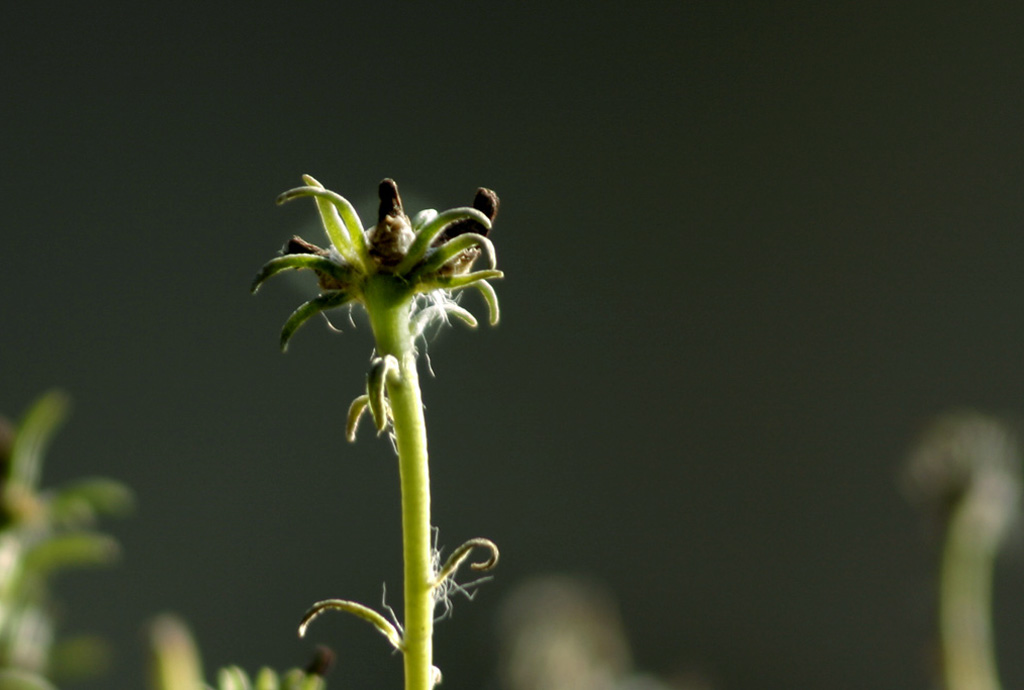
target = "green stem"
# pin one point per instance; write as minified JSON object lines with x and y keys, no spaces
{"x":389,"y":304}
{"x":966,"y":600}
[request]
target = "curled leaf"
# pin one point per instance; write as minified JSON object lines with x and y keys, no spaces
{"x":462,"y":553}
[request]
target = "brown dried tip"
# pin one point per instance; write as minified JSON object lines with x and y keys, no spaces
{"x":323,"y":660}
{"x":390,"y":202}
{"x":6,"y":441}
{"x":297,"y":245}
{"x":486,"y":202}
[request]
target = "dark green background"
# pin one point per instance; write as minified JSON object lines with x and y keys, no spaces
{"x":750,"y":248}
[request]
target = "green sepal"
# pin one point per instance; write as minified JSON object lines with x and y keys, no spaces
{"x":423,"y":318}
{"x":452,"y":248}
{"x":422,"y":218}
{"x":340,"y":220}
{"x":462,"y":315}
{"x":432,"y":228}
{"x":348,"y":214}
{"x":455,"y":282}
{"x":314,"y":262}
{"x":328,"y":300}
{"x":491,"y":297}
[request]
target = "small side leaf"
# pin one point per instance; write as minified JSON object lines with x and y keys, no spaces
{"x":376,"y":382}
{"x":355,"y":413}
{"x":384,"y":627}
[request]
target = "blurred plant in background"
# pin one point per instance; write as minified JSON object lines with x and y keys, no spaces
{"x":966,"y":471}
{"x":43,"y":532}
{"x":563,"y":632}
{"x":175,"y":665}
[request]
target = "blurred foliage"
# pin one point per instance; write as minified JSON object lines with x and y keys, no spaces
{"x":43,"y":532}
{"x":175,"y":665}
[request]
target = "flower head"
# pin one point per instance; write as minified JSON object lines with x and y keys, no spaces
{"x":430,"y":254}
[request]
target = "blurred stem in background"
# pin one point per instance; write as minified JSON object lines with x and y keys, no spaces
{"x":967,"y":469}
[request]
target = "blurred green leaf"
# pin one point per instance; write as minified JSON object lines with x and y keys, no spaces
{"x":33,"y":437}
{"x":80,"y":657}
{"x":76,"y":549}
{"x":81,"y":502}
{"x":267,"y":679}
{"x":174,"y":660}
{"x":233,"y":678}
{"x":13,"y":679}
